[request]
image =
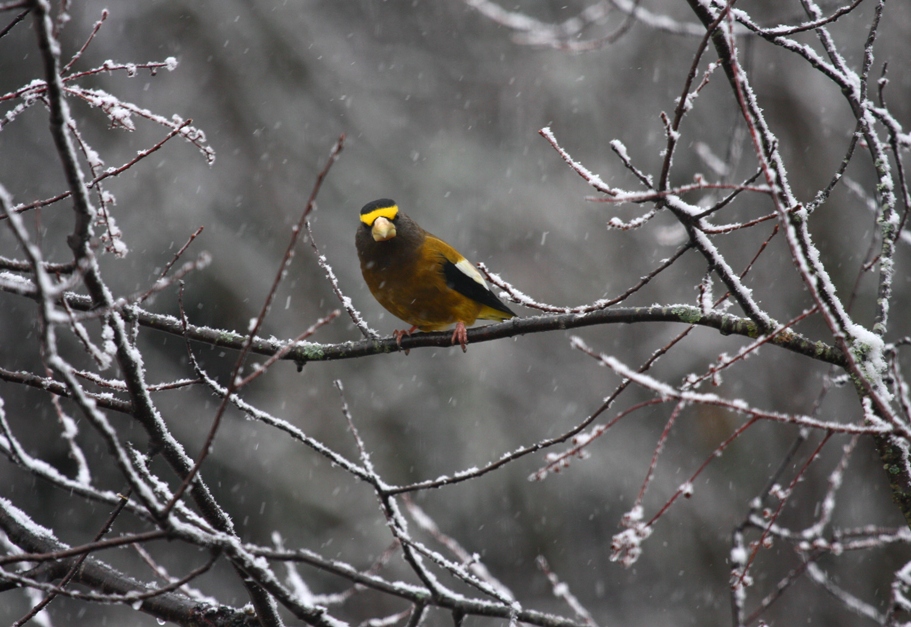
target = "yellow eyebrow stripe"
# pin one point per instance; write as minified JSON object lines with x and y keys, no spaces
{"x":383,"y":212}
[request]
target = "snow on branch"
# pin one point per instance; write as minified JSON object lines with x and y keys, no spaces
{"x":667,"y":393}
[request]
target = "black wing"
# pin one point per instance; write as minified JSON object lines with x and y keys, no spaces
{"x":466,"y":286}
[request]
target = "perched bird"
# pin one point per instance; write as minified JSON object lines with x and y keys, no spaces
{"x":420,"y":278}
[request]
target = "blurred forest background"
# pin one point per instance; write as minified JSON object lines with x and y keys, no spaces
{"x":442,"y":106}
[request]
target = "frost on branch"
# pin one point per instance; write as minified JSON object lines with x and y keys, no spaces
{"x":739,"y":352}
{"x":626,"y":546}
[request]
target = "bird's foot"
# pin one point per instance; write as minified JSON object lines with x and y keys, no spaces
{"x":460,"y":336}
{"x":398,"y":335}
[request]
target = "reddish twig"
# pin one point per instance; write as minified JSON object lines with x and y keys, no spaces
{"x":245,"y":349}
{"x":79,"y":53}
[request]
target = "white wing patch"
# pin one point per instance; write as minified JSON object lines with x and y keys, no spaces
{"x":469,"y":270}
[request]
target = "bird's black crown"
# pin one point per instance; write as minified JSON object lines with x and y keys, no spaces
{"x":382,"y":203}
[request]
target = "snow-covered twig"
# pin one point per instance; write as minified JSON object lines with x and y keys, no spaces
{"x":561,"y":590}
{"x":668,"y":393}
{"x":355,"y":315}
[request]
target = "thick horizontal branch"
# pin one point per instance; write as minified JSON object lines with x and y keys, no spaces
{"x":725,"y":323}
{"x":305,"y":352}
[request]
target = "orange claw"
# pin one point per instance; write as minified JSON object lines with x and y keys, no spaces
{"x":460,"y":336}
{"x":398,"y":335}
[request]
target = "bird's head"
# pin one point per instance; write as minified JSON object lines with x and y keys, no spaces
{"x":380,"y":217}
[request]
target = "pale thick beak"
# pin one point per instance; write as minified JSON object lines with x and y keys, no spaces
{"x":383,"y":229}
